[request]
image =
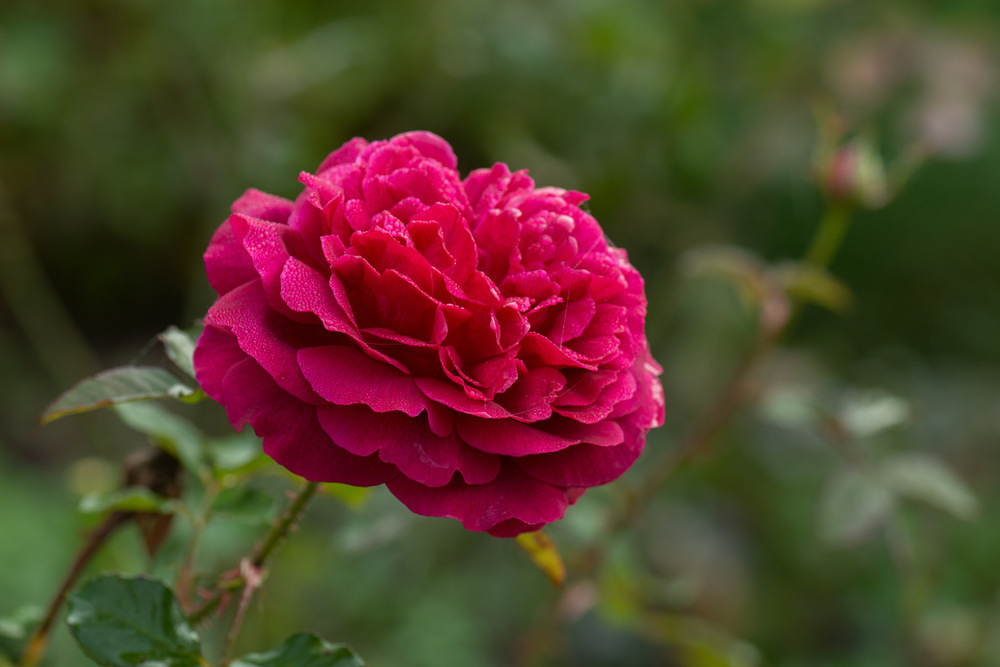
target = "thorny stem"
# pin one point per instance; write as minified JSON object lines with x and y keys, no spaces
{"x":184,"y":574}
{"x":252,"y":569}
{"x":35,"y":648}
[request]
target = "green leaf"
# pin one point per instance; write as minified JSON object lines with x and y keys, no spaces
{"x":115,"y":386}
{"x":303,"y":650}
{"x":352,"y":496}
{"x":852,"y":508}
{"x":868,"y":413}
{"x":544,"y":554}
{"x":237,"y":454}
{"x":814,"y":284}
{"x":735,"y":265}
{"x":128,"y":621}
{"x":179,"y":345}
{"x":243,"y":504}
{"x":15,"y":628}
{"x":927,"y":479}
{"x":130,"y":499}
{"x":175,"y":434}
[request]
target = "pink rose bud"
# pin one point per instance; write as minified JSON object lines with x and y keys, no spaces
{"x":854,"y":174}
{"x":476,"y":346}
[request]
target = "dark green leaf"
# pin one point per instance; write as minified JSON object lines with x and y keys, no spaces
{"x":303,"y":650}
{"x":115,"y":386}
{"x":175,"y":434}
{"x":243,"y":504}
{"x":128,"y":621}
{"x":131,"y":499}
{"x":179,"y":345}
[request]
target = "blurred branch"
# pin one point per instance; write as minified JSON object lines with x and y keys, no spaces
{"x":35,"y":305}
{"x":34,"y":650}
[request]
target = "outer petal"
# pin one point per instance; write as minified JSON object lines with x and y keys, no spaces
{"x":291,"y":431}
{"x":266,"y":336}
{"x":408,"y":444}
{"x":513,"y":495}
{"x":584,"y":465}
{"x":216,"y":352}
{"x":226,"y":261}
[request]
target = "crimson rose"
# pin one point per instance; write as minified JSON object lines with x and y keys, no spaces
{"x":474,"y":345}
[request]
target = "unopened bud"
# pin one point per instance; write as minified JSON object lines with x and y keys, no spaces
{"x":854,"y":174}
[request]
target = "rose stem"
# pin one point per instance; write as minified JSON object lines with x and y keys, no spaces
{"x":35,"y":648}
{"x":252,"y":569}
{"x":778,"y":314}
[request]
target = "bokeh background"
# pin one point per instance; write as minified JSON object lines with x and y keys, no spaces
{"x":127,"y":127}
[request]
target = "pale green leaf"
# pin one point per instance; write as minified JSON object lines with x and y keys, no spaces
{"x":927,"y":479}
{"x":179,"y":345}
{"x":175,"y":434}
{"x":852,"y":508}
{"x":130,"y":499}
{"x":814,"y":284}
{"x":116,"y":386}
{"x":544,"y":554}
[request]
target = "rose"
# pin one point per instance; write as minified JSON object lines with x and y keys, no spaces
{"x":476,"y":346}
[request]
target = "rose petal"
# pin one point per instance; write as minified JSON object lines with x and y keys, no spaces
{"x":408,"y":444}
{"x":513,"y":495}
{"x":271,"y":339}
{"x":257,"y":204}
{"x":343,"y":375}
{"x":216,"y":352}
{"x":291,"y":431}
{"x":583,"y":465}
{"x":227,"y":262}
{"x":513,"y":438}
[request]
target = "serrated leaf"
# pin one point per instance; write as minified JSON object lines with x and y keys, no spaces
{"x":243,"y":504}
{"x":303,"y":650}
{"x":927,"y":479}
{"x":116,"y":386}
{"x":852,"y":508}
{"x":179,"y":345}
{"x":544,"y":554}
{"x":173,"y":433}
{"x":128,"y":621}
{"x":814,"y":284}
{"x":131,"y":499}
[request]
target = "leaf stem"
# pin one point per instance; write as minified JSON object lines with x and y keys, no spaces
{"x":35,"y":648}
{"x":829,"y":235}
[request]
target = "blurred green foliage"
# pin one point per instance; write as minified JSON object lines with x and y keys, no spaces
{"x":127,"y":127}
